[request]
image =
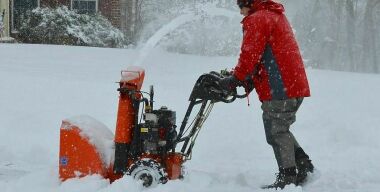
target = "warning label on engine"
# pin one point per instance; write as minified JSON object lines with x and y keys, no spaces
{"x":144,"y":130}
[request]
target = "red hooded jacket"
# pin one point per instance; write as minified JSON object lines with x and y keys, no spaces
{"x":270,"y":54}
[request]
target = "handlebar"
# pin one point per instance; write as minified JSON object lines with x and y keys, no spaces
{"x":207,"y":88}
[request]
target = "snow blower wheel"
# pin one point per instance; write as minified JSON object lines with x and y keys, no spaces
{"x":149,"y":172}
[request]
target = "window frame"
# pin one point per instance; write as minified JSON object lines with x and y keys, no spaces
{"x":12,"y":27}
{"x":96,"y":4}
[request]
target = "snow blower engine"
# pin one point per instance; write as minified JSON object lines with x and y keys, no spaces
{"x":145,"y":145}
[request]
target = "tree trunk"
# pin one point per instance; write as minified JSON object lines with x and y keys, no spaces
{"x":132,"y":10}
{"x":350,"y":26}
{"x":339,"y":62}
{"x":312,"y":28}
{"x":369,"y":38}
{"x":375,"y":41}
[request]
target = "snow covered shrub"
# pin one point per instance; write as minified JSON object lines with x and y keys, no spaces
{"x":63,"y":26}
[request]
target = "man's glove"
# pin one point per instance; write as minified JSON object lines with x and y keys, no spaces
{"x":248,"y":84}
{"x":229,"y":83}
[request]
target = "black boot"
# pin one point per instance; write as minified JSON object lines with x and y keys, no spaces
{"x":285,"y":177}
{"x":304,"y":165}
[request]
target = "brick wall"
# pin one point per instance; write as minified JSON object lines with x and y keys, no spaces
{"x":111,"y":10}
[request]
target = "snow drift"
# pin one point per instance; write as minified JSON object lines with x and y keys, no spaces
{"x":41,"y":85}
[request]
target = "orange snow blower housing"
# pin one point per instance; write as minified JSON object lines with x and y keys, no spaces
{"x":143,"y":148}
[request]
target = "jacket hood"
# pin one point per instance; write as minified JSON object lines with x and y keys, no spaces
{"x":269,"y":5}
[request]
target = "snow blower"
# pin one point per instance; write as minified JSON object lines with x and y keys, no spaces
{"x":144,"y":148}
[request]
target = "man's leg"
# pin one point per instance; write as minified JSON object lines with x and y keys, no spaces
{"x":278,"y":115}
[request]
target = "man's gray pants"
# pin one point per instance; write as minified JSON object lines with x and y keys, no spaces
{"x":278,"y":115}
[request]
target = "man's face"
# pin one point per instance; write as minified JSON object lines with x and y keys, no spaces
{"x":245,"y":11}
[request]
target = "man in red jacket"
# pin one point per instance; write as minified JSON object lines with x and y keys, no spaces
{"x":270,"y":60}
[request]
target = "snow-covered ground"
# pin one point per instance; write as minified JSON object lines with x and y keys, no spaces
{"x":41,"y":85}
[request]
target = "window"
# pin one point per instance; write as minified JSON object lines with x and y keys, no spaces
{"x":85,"y":6}
{"x":19,"y":9}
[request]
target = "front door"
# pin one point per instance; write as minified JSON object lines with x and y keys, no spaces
{"x":20,"y":8}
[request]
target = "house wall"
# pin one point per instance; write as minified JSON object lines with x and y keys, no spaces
{"x":111,"y":10}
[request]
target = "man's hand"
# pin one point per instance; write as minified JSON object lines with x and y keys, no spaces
{"x":229,"y":83}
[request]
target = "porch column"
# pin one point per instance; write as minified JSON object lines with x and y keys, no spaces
{"x":4,"y":12}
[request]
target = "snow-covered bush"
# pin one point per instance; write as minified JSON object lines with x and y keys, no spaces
{"x":63,"y":26}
